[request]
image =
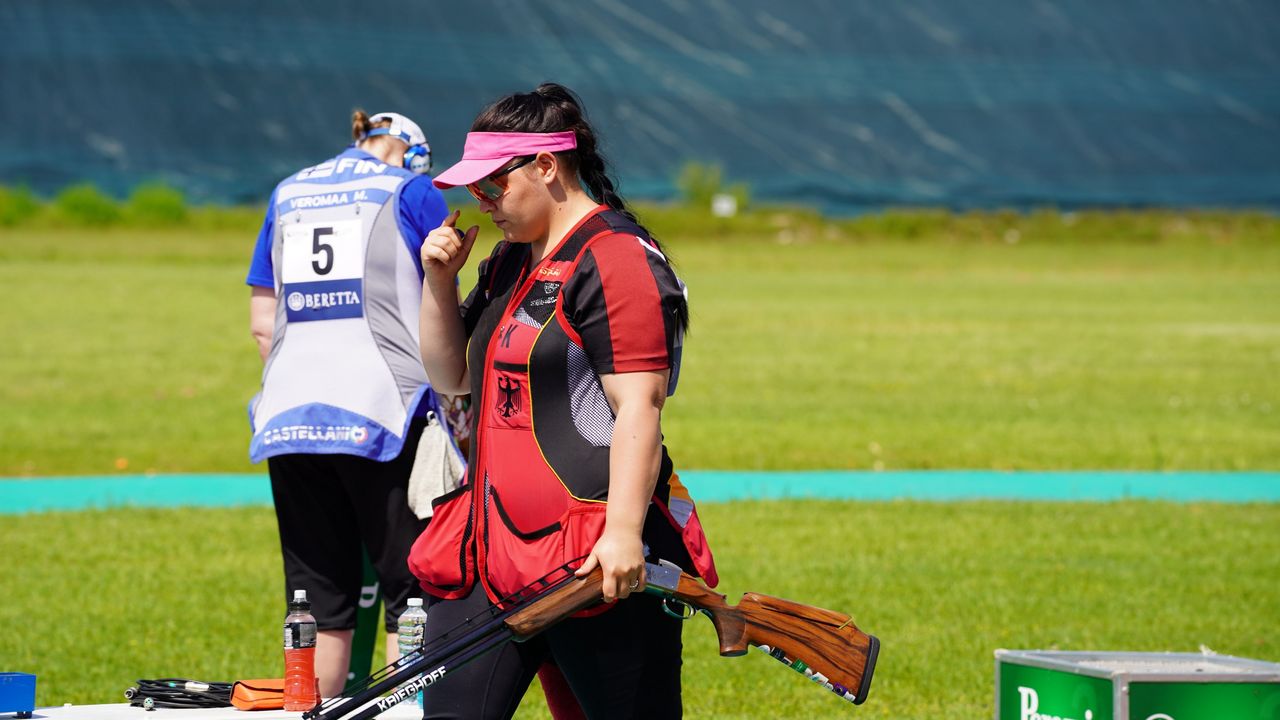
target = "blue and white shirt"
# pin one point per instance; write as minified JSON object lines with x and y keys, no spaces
{"x":341,"y":248}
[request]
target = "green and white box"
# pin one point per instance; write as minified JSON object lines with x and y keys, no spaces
{"x":1050,"y":685}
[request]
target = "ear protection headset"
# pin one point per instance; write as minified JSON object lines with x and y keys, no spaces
{"x":417,"y":158}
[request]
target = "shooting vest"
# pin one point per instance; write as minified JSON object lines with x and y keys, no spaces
{"x":538,"y":482}
{"x":344,"y":373}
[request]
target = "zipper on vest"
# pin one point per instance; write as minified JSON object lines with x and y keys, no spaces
{"x":485,"y":539}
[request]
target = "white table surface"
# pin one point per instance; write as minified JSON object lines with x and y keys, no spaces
{"x":122,"y":711}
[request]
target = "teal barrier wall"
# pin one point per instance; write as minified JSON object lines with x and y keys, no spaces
{"x":18,"y":495}
{"x":846,"y":105}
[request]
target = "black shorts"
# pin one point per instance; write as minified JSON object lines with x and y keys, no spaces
{"x":327,"y":508}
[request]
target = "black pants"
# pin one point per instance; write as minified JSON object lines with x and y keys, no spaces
{"x":624,"y":663}
{"x":327,"y":508}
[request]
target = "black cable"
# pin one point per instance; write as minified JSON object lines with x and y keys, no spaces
{"x":179,"y":693}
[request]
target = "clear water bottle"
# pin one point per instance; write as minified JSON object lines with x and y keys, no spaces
{"x":300,"y":687}
{"x":409,"y":631}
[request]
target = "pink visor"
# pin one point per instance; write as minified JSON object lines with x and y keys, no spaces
{"x":485,"y":152}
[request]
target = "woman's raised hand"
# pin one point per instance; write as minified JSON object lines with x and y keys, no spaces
{"x":445,"y":249}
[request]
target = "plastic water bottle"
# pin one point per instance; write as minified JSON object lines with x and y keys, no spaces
{"x":300,"y":691}
{"x":409,"y":631}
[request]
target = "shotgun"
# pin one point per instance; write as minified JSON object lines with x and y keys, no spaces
{"x":823,"y":645}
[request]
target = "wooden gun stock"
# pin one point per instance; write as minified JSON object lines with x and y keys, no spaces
{"x":823,"y":645}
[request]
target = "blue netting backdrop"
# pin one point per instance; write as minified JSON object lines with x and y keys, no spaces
{"x":843,"y":104}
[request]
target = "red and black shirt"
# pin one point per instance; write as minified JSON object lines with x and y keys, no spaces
{"x":604,"y":300}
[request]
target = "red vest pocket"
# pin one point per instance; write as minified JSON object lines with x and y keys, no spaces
{"x":516,"y":556}
{"x":684,"y":518}
{"x":583,"y":526}
{"x":443,"y":557}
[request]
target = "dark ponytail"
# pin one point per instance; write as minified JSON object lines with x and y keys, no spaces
{"x":361,"y":125}
{"x":555,"y":108}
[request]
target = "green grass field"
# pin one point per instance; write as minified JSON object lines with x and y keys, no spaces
{"x":897,"y":341}
{"x":129,"y":594}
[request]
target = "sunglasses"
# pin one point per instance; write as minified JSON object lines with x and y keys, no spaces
{"x":495,"y":186}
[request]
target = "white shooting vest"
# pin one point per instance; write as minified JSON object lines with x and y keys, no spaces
{"x":344,"y":373}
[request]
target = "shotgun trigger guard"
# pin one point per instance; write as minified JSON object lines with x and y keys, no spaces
{"x":683,"y":610}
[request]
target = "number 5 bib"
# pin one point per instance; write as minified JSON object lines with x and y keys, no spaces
{"x":322,"y":270}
